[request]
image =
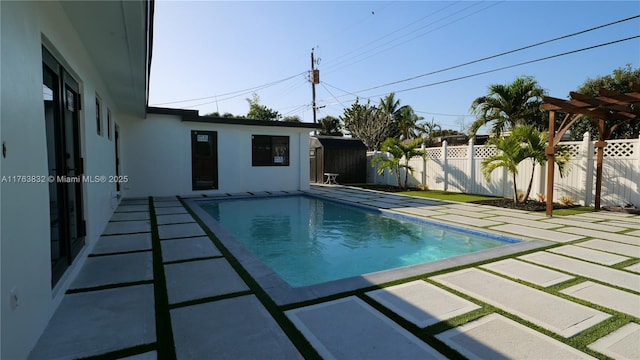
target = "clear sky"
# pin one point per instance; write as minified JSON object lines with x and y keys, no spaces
{"x":218,"y":53}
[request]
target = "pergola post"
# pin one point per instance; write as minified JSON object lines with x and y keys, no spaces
{"x":550,"y":151}
{"x":600,"y":144}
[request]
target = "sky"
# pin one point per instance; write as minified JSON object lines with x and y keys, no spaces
{"x":213,"y":55}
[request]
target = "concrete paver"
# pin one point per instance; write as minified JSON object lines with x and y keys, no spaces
{"x":553,"y":313}
{"x":174,"y":219}
{"x":595,"y":256}
{"x":168,"y":203}
{"x":497,"y":337}
{"x":97,"y":322}
{"x":200,"y":279}
{"x":612,"y":247}
{"x":537,"y":233}
{"x":467,"y":220}
{"x":634,"y":268}
{"x":234,"y":328}
{"x":606,"y":296}
{"x":170,"y":210}
{"x":623,"y":224}
{"x":627,"y":239}
{"x":123,"y":243}
{"x":114,"y":269}
{"x":132,"y":208}
{"x":621,"y":344}
{"x":188,"y":248}
{"x":464,"y":213}
{"x":583,"y":224}
{"x":180,"y":231}
{"x":422,"y":303}
{"x":348,"y":328}
{"x":601,"y":273}
{"x":516,"y":214}
{"x":528,"y":272}
{"x":127,"y":227}
{"x":524,"y":222}
{"x":128,"y":216}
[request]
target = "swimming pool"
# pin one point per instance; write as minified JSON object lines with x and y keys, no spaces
{"x":307,"y":240}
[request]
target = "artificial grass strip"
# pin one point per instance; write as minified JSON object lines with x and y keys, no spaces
{"x":164,"y":331}
{"x":109,"y":286}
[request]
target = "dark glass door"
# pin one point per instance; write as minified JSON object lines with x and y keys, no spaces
{"x":204,"y":160}
{"x":61,"y":105}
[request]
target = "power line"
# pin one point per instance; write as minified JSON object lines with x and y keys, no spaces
{"x":503,"y":67}
{"x":234,"y":93}
{"x":503,"y":53}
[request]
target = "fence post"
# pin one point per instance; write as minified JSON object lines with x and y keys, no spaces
{"x":586,"y":159}
{"x":445,"y":166}
{"x":471,"y":181}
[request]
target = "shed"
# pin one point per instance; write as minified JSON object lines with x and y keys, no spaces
{"x":341,"y":155}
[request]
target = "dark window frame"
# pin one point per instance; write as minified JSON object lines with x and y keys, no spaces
{"x":270,"y":150}
{"x":99,"y":115}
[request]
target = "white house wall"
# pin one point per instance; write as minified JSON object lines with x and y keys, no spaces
{"x":156,"y":158}
{"x":25,"y":230}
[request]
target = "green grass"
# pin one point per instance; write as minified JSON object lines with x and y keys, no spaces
{"x":447,"y":195}
{"x":573,"y":210}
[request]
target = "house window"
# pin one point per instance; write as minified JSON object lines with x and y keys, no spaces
{"x":109,"y":123}
{"x":267,"y":150}
{"x":99,"y":115}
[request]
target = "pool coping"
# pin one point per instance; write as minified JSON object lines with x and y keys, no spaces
{"x":284,"y":294}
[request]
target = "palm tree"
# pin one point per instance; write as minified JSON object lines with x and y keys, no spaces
{"x":506,"y":106}
{"x":524,"y":142}
{"x":398,"y":151}
{"x":508,"y":156}
{"x":407,"y":123}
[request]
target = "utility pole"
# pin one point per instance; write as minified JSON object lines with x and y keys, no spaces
{"x":315,"y":79}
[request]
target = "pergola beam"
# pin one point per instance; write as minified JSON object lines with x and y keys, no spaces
{"x":608,"y":106}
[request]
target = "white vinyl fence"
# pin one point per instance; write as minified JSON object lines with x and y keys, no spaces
{"x":458,"y":169}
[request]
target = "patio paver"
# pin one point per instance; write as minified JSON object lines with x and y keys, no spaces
{"x":366,"y":335}
{"x":123,"y":243}
{"x":583,"y":224}
{"x":467,"y":220}
{"x":235,"y":328}
{"x":170,"y":210}
{"x":201,"y":279}
{"x":516,"y":214}
{"x":627,"y":239}
{"x":528,"y":272}
{"x":96,"y":322}
{"x":553,"y":313}
{"x":114,"y":269}
{"x":612,"y":247}
{"x":537,"y":233}
{"x":634,"y":268}
{"x":132,"y":208}
{"x":524,"y":222}
{"x":595,"y":256}
{"x":601,"y":273}
{"x":188,"y":248}
{"x":127,"y":227}
{"x":180,"y":231}
{"x":422,"y":303}
{"x":620,"y":344}
{"x":174,"y":219}
{"x":128,"y":216}
{"x":497,"y":337}
{"x":606,"y":296}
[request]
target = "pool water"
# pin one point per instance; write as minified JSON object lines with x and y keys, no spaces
{"x":307,"y":240}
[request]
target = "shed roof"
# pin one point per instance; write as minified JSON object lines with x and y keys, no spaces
{"x":338,"y":142}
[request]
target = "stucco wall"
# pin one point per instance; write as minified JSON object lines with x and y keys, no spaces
{"x":156,"y":157}
{"x":25,"y":230}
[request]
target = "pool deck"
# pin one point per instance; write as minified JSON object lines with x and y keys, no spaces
{"x":158,"y":284}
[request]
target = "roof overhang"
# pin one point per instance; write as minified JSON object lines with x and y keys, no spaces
{"x":118,"y":36}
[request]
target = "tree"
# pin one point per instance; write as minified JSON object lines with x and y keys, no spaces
{"x":431,"y":130}
{"x":364,"y":123}
{"x":406,"y":121}
{"x":261,"y":112}
{"x":524,"y":142}
{"x":330,"y":126}
{"x":398,"y":151}
{"x":506,"y":106}
{"x":619,"y":82}
{"x":294,"y":118}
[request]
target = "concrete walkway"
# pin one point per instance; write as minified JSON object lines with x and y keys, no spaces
{"x":157,"y":286}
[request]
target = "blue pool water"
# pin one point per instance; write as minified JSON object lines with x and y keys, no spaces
{"x":307,"y":240}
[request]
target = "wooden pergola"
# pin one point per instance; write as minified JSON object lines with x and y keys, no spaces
{"x":608,"y":107}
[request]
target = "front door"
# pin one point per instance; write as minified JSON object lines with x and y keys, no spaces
{"x":204,"y":160}
{"x":61,"y":107}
